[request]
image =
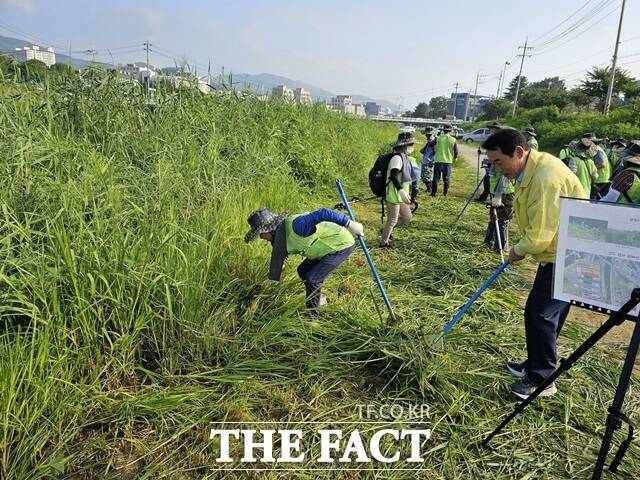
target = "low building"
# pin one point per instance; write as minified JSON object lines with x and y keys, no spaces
{"x":342,"y":103}
{"x":128,"y":71}
{"x":466,"y":106}
{"x":359,"y":110}
{"x":301,"y":95}
{"x":282,"y":91}
{"x":34,"y":52}
{"x":372,"y":109}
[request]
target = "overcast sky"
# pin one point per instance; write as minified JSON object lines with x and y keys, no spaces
{"x":404,"y":52}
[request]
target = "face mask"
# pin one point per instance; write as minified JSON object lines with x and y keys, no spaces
{"x":409,"y":149}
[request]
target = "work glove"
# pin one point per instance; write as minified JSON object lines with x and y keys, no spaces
{"x":404,"y":196}
{"x":497,"y":202}
{"x":355,"y":228}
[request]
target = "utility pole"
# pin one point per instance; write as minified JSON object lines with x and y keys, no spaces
{"x":148,"y":76}
{"x":502,"y":77}
{"x":607,"y":102}
{"x":524,"y":54}
{"x":455,"y":101}
{"x":475,"y":96}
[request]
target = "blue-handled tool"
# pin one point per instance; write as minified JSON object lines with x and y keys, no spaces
{"x":469,"y":198}
{"x":438,"y":339}
{"x":372,"y":266}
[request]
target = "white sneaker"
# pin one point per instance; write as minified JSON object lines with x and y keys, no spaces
{"x":323,"y":300}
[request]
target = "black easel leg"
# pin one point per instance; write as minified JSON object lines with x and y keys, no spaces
{"x":613,"y":421}
{"x":615,"y":319}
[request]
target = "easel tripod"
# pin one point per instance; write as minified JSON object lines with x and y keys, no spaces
{"x":615,"y":417}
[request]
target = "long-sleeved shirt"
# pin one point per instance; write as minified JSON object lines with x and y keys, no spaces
{"x":304,"y":225}
{"x":537,"y":204}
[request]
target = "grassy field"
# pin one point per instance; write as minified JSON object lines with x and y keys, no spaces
{"x":134,"y":314}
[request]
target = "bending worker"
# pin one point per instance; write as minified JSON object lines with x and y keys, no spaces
{"x":541,"y":179}
{"x":322,"y":237}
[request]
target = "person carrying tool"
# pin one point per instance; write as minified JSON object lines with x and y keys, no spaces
{"x":486,"y":187}
{"x":581,"y":162}
{"x":625,"y":186}
{"x":427,"y":158}
{"x":446,"y":151}
{"x":541,"y":179}
{"x":399,"y":178}
{"x":323,"y":237}
{"x":502,"y":190}
{"x":530,"y":135}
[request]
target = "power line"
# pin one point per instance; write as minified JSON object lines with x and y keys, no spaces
{"x":561,"y":23}
{"x":587,"y":29}
{"x":580,"y":22}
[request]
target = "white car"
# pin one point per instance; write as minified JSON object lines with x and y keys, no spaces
{"x":479,"y":135}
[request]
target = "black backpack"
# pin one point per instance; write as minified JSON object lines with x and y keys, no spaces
{"x":378,"y":175}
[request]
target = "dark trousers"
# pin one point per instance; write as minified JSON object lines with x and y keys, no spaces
{"x":441,"y":170}
{"x":314,"y":272}
{"x":543,"y":319}
{"x":486,"y":188}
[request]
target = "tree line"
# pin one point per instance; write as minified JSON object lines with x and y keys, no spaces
{"x":551,"y":91}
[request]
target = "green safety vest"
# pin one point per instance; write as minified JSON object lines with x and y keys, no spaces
{"x":614,"y":158}
{"x":328,"y":238}
{"x":493,"y":184}
{"x":585,"y":169}
{"x":392,"y":195}
{"x":604,"y":173}
{"x":444,"y":149}
{"x":634,"y":191}
{"x":533,"y":143}
{"x":564,"y":154}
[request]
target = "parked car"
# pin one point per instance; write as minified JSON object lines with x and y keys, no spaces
{"x":457,"y":132}
{"x":479,"y":135}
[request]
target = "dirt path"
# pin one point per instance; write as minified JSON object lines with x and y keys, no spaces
{"x":470,"y":154}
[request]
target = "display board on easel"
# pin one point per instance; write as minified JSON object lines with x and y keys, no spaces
{"x":598,"y":257}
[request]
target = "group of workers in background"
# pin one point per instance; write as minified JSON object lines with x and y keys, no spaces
{"x":520,"y":179}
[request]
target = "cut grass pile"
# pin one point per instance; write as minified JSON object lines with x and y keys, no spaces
{"x":134,"y":314}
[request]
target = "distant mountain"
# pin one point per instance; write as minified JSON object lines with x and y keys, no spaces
{"x":260,"y":83}
{"x":264,"y":82}
{"x":9,"y":44}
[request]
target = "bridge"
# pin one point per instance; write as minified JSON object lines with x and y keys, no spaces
{"x":416,"y":122}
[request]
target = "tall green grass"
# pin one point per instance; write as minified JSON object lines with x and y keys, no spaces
{"x":133,"y":314}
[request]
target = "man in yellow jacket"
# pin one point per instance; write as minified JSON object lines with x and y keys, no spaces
{"x":541,"y":179}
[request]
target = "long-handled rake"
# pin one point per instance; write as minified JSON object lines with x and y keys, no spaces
{"x":372,"y":266}
{"x":469,"y":198}
{"x":436,"y":340}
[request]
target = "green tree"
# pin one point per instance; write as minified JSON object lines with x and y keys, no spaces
{"x":549,"y":83}
{"x":580,"y":99}
{"x":495,"y":109}
{"x":541,"y":97}
{"x":34,"y":70}
{"x":438,"y":107}
{"x":510,"y":94}
{"x":422,"y":110}
{"x":597,"y":84}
